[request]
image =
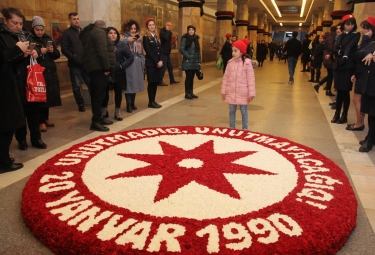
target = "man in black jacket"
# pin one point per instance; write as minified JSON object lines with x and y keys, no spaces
{"x":305,"y":53}
{"x":166,"y":47}
{"x":99,"y":61}
{"x":293,"y":49}
{"x":71,"y":47}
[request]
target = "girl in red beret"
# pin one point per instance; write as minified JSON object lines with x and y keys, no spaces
{"x":238,"y":86}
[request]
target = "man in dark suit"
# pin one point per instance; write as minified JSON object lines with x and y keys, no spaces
{"x":166,"y":47}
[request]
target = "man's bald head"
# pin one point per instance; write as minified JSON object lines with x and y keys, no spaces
{"x":100,"y":23}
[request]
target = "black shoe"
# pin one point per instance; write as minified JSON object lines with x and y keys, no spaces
{"x":133,"y":107}
{"x":154,"y":105}
{"x":329,"y":93}
{"x":106,"y":122}
{"x":311,"y":80}
{"x":367,"y":145}
{"x":81,"y":108}
{"x":194,"y":96}
{"x":352,"y":128}
{"x":332,"y":104}
{"x":188,"y":96}
{"x":39,"y":144}
{"x":98,"y":127}
{"x":129,"y":108}
{"x":316,"y":87}
{"x":118,"y":118}
{"x":333,"y":107}
{"x":162,"y":84}
{"x":22,"y":145}
{"x":174,"y":82}
{"x":12,"y":167}
{"x":335,"y":118}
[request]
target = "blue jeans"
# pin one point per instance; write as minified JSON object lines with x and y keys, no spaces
{"x":292,"y":62}
{"x":76,"y":73}
{"x":232,"y":116}
{"x":167,"y":63}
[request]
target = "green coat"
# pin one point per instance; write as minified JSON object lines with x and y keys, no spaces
{"x":191,"y":58}
{"x":98,"y":50}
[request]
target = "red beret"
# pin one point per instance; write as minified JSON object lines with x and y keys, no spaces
{"x":371,"y":20}
{"x":346,"y":17}
{"x":228,"y":35}
{"x":148,"y":20}
{"x":241,"y":45}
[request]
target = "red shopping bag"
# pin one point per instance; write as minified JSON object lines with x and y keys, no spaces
{"x":35,"y":83}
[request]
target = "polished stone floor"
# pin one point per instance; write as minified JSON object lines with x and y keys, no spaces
{"x":294,"y":112}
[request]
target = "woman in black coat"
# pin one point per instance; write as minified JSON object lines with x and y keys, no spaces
{"x":152,"y":47}
{"x":262,"y":52}
{"x":48,"y":53}
{"x":344,"y":66}
{"x":365,"y":81}
{"x":317,"y":58}
{"x":13,"y":49}
{"x":226,"y":50}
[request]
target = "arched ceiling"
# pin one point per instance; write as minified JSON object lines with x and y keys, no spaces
{"x":289,"y":10}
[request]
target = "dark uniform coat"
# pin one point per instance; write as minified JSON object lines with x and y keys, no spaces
{"x":50,"y":73}
{"x":152,"y":48}
{"x":344,"y":68}
{"x":191,"y":57}
{"x":11,"y":110}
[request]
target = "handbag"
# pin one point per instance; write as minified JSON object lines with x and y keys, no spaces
{"x":199,"y":74}
{"x":220,"y":64}
{"x":35,"y":83}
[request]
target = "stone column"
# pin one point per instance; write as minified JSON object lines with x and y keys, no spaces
{"x":319,"y":27}
{"x":340,"y":9}
{"x":189,"y":13}
{"x":242,"y":17}
{"x":269,"y":32}
{"x":224,"y":17}
{"x":253,"y":27}
{"x":92,"y":10}
{"x":266,"y":34}
{"x":362,"y":10}
{"x":260,"y":27}
{"x":327,"y":20}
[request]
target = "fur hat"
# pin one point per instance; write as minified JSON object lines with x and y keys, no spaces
{"x":37,"y":21}
{"x":346,"y":17}
{"x":148,"y":20}
{"x":241,"y":45}
{"x":371,"y":20}
{"x":191,"y":26}
{"x":228,"y":35}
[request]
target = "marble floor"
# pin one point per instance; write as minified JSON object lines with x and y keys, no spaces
{"x":294,"y":112}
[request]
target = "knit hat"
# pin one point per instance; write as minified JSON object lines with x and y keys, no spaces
{"x":346,"y":17}
{"x":228,"y":35}
{"x":37,"y":21}
{"x":191,"y":26}
{"x":241,"y":45}
{"x":148,"y":20}
{"x":371,"y":20}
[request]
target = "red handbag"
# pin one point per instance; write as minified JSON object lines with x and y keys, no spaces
{"x":35,"y":83}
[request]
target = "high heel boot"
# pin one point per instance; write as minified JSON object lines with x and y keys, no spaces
{"x":343,"y":119}
{"x":335,"y":117}
{"x":118,"y":114}
{"x":129,"y":108}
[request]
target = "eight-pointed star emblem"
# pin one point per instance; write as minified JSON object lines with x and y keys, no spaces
{"x":179,"y":167}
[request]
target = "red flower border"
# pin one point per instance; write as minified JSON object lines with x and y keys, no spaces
{"x":324,"y":231}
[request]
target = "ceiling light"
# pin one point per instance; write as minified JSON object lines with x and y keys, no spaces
{"x":281,"y":24}
{"x":300,"y":24}
{"x":302,"y":8}
{"x":277,"y":8}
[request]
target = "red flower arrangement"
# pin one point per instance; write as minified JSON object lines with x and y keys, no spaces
{"x":190,"y":190}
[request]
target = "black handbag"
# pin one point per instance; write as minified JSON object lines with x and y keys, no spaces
{"x":199,"y":74}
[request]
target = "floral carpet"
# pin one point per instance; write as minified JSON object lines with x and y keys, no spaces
{"x":190,"y":190}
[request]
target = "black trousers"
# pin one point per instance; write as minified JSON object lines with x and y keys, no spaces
{"x":189,"y":81}
{"x":130,"y":98}
{"x":117,"y":88}
{"x":31,"y":111}
{"x":151,"y":90}
{"x":343,"y":98}
{"x":98,"y":84}
{"x":328,"y":79}
{"x":43,"y":114}
{"x":5,"y":141}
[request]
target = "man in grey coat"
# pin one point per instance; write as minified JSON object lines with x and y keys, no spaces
{"x":99,"y":61}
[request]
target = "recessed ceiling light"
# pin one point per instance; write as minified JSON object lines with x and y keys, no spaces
{"x":281,"y":24}
{"x":302,"y":8}
{"x":300,"y":24}
{"x":277,"y":8}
